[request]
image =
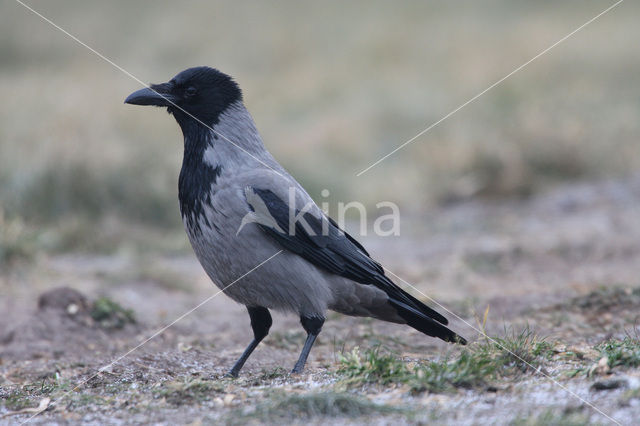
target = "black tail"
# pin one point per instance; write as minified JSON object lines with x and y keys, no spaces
{"x":420,"y":316}
{"x":425,"y":324}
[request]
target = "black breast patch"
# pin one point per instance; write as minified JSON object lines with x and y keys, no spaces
{"x":195,"y":186}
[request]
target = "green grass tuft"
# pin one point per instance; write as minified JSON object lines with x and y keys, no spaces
{"x":373,"y":367}
{"x":476,"y":366}
{"x":621,"y":353}
{"x":519,"y":351}
{"x":469,"y":370}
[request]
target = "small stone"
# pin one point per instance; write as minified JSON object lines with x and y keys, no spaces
{"x":183,"y":347}
{"x":601,"y":368}
{"x":73,"y":309}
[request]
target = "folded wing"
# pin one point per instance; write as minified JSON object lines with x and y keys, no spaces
{"x":319,"y":240}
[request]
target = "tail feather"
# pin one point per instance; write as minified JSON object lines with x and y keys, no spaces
{"x":401,"y":296}
{"x":423,"y":322}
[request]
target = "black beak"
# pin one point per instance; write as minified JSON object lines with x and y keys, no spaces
{"x":157,"y":94}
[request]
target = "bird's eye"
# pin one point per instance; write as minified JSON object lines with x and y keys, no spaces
{"x":190,"y":91}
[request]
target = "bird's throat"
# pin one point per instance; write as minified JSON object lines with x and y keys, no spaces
{"x":197,"y":180}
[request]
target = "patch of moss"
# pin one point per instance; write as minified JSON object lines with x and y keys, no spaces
{"x":109,"y":314}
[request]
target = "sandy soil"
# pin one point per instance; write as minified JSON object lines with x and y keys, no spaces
{"x":564,"y":262}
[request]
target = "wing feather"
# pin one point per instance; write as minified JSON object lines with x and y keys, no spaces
{"x":334,"y":250}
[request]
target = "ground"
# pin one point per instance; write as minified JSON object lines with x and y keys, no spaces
{"x":519,"y":212}
{"x":553,"y":277}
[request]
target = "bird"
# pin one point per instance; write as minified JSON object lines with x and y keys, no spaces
{"x":241,"y":209}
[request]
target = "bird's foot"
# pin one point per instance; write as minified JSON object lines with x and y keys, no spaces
{"x":297,"y":369}
{"x":232,"y":374}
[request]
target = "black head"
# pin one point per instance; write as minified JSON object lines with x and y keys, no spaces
{"x":200,"y":92}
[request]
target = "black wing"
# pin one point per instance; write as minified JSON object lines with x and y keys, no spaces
{"x":327,"y":246}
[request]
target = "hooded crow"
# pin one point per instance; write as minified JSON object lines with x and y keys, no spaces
{"x":239,"y":206}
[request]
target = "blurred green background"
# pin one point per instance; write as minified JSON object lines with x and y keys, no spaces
{"x":332,"y":86}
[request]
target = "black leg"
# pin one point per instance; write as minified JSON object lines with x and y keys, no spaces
{"x":312,"y":325}
{"x":260,"y":323}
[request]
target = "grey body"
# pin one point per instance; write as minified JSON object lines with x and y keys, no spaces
{"x":287,"y":282}
{"x":235,"y":200}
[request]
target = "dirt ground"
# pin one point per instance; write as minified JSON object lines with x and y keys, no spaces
{"x":564,"y":262}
